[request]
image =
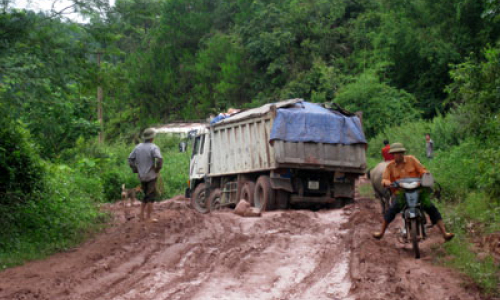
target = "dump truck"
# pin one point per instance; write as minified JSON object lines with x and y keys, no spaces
{"x":277,"y":155}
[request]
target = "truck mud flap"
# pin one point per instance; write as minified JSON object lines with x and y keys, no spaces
{"x":343,"y":190}
{"x":284,"y":184}
{"x":281,"y":182}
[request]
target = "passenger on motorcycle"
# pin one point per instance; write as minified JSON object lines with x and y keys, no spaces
{"x":407,"y":166}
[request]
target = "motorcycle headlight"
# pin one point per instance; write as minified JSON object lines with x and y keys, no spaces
{"x":410,"y":186}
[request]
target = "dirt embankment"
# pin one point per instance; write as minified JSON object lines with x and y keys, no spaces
{"x":297,"y":254}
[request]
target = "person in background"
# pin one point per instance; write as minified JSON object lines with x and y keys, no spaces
{"x":385,"y":151}
{"x":429,"y":146}
{"x":146,"y":161}
{"x":223,"y":116}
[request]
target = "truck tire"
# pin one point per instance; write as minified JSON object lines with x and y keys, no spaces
{"x":414,"y":225}
{"x":247,"y":192}
{"x":264,"y":195}
{"x":199,"y":199}
{"x":214,"y":201}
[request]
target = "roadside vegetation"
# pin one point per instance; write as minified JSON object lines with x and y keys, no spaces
{"x":413,"y":67}
{"x":60,"y":207}
{"x":466,"y":165}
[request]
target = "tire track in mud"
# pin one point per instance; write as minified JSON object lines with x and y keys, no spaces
{"x":295,"y":254}
{"x":227,"y":257}
{"x":191,"y":256}
{"x":387,"y":269}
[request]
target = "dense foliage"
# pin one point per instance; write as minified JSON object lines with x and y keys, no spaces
{"x":21,"y":169}
{"x":412,"y":67}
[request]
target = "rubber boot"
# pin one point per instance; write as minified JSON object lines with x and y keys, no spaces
{"x":149,"y":210}
{"x":379,"y":235}
{"x":446,"y":235}
{"x":143,"y":207}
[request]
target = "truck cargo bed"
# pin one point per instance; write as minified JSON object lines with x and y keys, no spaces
{"x":241,"y":145}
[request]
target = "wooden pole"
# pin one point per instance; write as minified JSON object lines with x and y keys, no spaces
{"x":99,"y":101}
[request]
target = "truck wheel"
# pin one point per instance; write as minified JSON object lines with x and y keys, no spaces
{"x":214,"y":201}
{"x":247,"y":192}
{"x":199,"y":199}
{"x":414,"y":236}
{"x":264,"y":195}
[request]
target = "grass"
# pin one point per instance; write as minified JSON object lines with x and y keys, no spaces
{"x":470,"y":219}
{"x":366,"y":190}
{"x":57,"y":219}
{"x":485,"y":272}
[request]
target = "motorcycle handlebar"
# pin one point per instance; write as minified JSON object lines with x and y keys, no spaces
{"x":394,"y":185}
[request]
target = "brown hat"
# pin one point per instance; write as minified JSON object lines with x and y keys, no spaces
{"x":396,"y":148}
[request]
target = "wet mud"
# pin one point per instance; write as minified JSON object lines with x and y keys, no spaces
{"x":294,"y":254}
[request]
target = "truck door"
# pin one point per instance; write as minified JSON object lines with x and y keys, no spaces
{"x":199,"y":160}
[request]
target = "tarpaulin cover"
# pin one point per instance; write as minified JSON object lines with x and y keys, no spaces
{"x":309,"y":122}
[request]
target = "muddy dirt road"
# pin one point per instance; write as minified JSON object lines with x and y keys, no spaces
{"x":297,"y":254}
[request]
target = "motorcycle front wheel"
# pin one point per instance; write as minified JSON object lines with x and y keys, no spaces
{"x":414,"y":236}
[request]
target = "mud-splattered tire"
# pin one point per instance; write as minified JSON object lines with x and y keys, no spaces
{"x":247,"y":192}
{"x":199,"y":199}
{"x":264,"y":195}
{"x":414,"y":237}
{"x":214,"y":200}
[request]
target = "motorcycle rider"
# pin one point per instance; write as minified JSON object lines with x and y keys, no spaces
{"x":407,"y":166}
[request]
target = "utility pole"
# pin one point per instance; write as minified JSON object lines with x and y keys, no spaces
{"x":99,"y":101}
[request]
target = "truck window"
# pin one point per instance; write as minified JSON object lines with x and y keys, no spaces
{"x":196,"y":146}
{"x":202,"y":146}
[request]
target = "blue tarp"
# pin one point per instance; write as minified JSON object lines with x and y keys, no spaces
{"x":309,"y":122}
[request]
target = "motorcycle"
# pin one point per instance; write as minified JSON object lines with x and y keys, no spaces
{"x":413,"y":230}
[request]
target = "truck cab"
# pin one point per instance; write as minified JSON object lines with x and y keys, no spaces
{"x":199,"y":163}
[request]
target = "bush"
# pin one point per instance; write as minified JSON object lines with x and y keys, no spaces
{"x":478,"y":213}
{"x":456,"y":170}
{"x":412,"y":135}
{"x":475,"y":90}
{"x":175,"y":172}
{"x":382,"y":105}
{"x":444,"y":131}
{"x":21,"y":168}
{"x":111,"y":183}
{"x":50,"y":221}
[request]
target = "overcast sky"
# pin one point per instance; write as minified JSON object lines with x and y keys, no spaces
{"x":46,"y":5}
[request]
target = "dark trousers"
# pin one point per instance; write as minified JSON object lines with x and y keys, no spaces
{"x":425,"y":203}
{"x":149,"y":189}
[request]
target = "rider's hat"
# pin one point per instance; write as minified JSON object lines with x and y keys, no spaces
{"x":396,"y":148}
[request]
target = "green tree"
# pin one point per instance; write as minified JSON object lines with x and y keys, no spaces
{"x":43,"y":64}
{"x":21,"y":169}
{"x":382,"y":105}
{"x":419,"y":40}
{"x":475,"y":91}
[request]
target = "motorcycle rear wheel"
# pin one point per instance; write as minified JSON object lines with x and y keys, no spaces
{"x":414,"y":237}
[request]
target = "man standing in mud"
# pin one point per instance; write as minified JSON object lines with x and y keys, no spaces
{"x":407,"y":166}
{"x":146,"y":160}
